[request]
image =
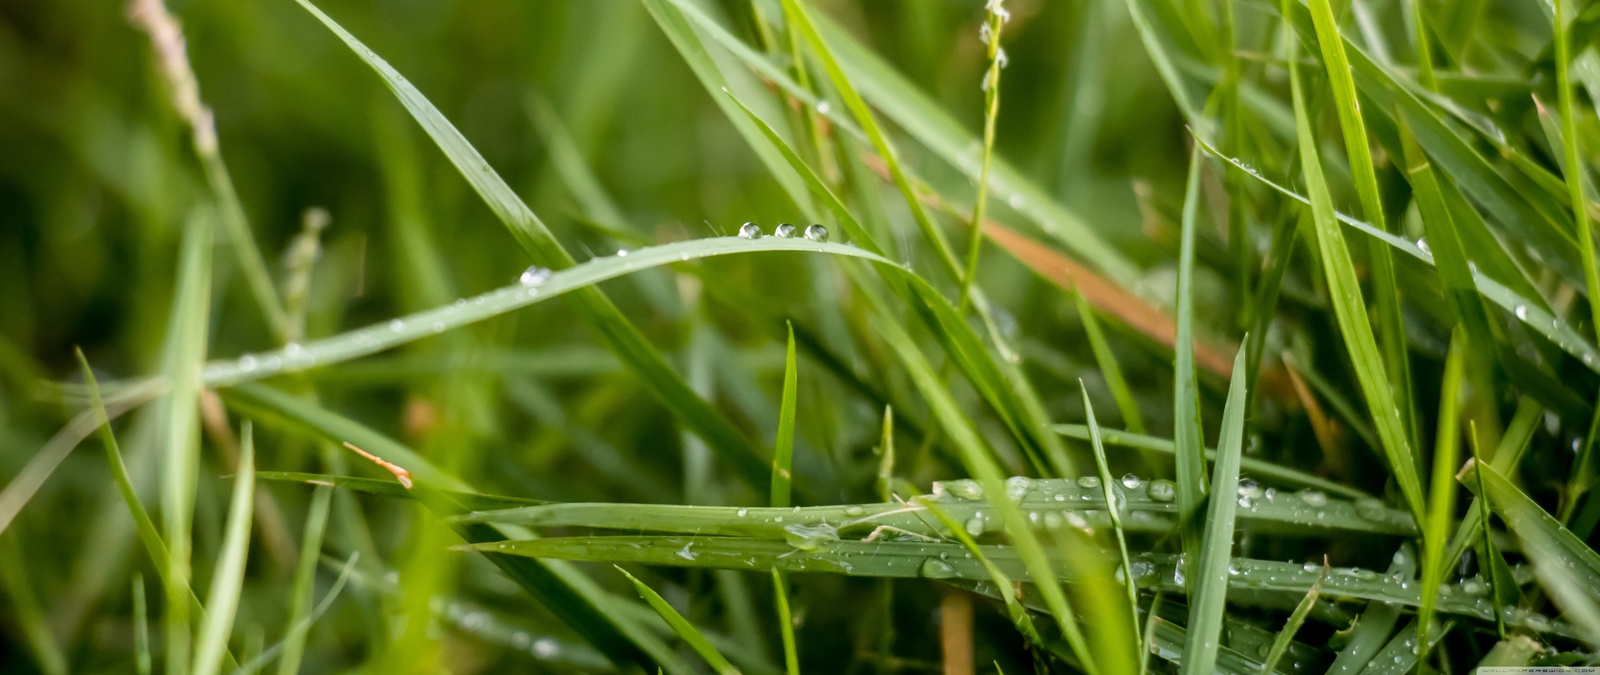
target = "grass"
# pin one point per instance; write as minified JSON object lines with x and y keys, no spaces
{"x":492,"y":248}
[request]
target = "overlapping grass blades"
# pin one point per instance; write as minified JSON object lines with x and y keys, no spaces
{"x":1211,"y":571}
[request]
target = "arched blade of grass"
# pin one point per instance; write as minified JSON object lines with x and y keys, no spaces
{"x":1291,"y":627}
{"x":1567,"y":568}
{"x":1530,"y":310}
{"x":1351,"y":311}
{"x":1442,"y":489}
{"x":783,"y":453}
{"x":1188,"y":440}
{"x":222,"y":601}
{"x":566,"y":592}
{"x":681,"y":626}
{"x":780,"y":591}
{"x":1391,"y":331}
{"x":1208,"y":600}
{"x":1474,"y":528}
{"x":994,"y":26}
{"x":389,"y":488}
{"x":1258,"y":468}
{"x":1114,"y":505}
{"x":614,"y":328}
{"x":1372,"y":630}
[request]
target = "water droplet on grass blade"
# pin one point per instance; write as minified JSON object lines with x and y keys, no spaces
{"x":934,"y":568}
{"x":749,"y":231}
{"x":817,"y":233}
{"x":784,"y":231}
{"x":1131,"y":481}
{"x":534,"y":276}
{"x":1163,"y":491}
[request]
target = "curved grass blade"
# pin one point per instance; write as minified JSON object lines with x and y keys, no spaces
{"x":1272,"y":473}
{"x":1113,"y":505}
{"x":1400,"y":655}
{"x":621,"y":335}
{"x":1109,"y":368}
{"x":1573,"y":166}
{"x":1345,"y":292}
{"x":791,"y":659}
{"x":1373,"y":628}
{"x":1211,"y":571}
{"x":1014,"y":607}
{"x":682,"y":627}
{"x":1442,"y":490}
{"x":390,"y":488}
{"x":222,"y":601}
{"x":293,"y":645}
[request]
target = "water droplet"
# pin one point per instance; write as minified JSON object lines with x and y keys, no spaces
{"x":816,"y":232}
{"x":438,"y":326}
{"x":1474,"y":586}
{"x":1233,"y":569}
{"x":784,"y":231}
{"x":823,"y":107}
{"x":1250,"y":489}
{"x":1313,"y":498}
{"x":749,"y":231}
{"x":961,"y":489}
{"x":1017,"y":488}
{"x":521,"y":640}
{"x":1163,"y":491}
{"x":622,"y":253}
{"x":974,"y":525}
{"x":1422,"y":243}
{"x":687,"y":554}
{"x":744,"y":512}
{"x":1088,"y":482}
{"x":934,"y":568}
{"x":534,"y":276}
{"x":1311,"y":567}
{"x":1521,"y":312}
{"x":1131,"y":481}
{"x":247,"y":363}
{"x":854,"y":511}
{"x":1369,"y":508}
{"x":293,"y":350}
{"x":546,"y":647}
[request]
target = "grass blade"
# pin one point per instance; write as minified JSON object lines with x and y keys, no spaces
{"x":1114,"y":508}
{"x":783,"y":455}
{"x":222,"y":601}
{"x":1351,"y":312}
{"x":1573,"y":165}
{"x":1189,"y":441}
{"x":304,"y":580}
{"x":1442,"y":491}
{"x":1211,"y":570}
{"x":791,"y":658}
{"x":1109,"y":368}
{"x":681,"y":626}
{"x":1376,"y":623}
{"x":993,"y":27}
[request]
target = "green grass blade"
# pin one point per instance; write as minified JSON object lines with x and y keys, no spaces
{"x":936,"y":567}
{"x":1442,"y":490}
{"x":681,"y":626}
{"x":1114,"y":505}
{"x":1573,"y":165}
{"x":1400,"y":655}
{"x":1291,"y":627}
{"x":620,"y":334}
{"x":1189,"y":441}
{"x":780,"y":590}
{"x":1127,"y":405}
{"x":182,"y":354}
{"x":1357,"y":147}
{"x":1490,"y":554}
{"x":783,"y":455}
{"x":993,"y":27}
{"x":1372,"y":630}
{"x":222,"y":601}
{"x":141,"y":627}
{"x":1565,"y":565}
{"x":304,"y":580}
{"x":1350,"y":309}
{"x":1211,"y":571}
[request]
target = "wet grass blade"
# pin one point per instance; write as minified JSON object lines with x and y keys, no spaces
{"x":222,"y":601}
{"x":621,"y":335}
{"x":1291,"y":627}
{"x":1573,"y":166}
{"x":1210,"y":573}
{"x":1188,"y":439}
{"x":1127,"y":405}
{"x":937,"y":567}
{"x":994,"y":26}
{"x":780,"y":590}
{"x":1372,"y":630}
{"x":1114,"y":506}
{"x":1566,"y":566}
{"x":1274,"y":473}
{"x":1349,"y":307}
{"x":681,"y":626}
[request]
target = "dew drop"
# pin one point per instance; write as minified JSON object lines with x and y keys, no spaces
{"x":1088,"y":482}
{"x":1131,"y":481}
{"x":1250,"y":489}
{"x":534,"y":276}
{"x":784,"y":231}
{"x":823,"y":107}
{"x":974,"y":525}
{"x":816,"y":232}
{"x":546,"y":647}
{"x":622,"y":253}
{"x":1313,"y":498}
{"x":744,"y":512}
{"x":854,"y":511}
{"x":1422,"y":243}
{"x":934,"y":568}
{"x":396,"y":326}
{"x":749,"y":231}
{"x":1521,"y":312}
{"x":1163,"y":491}
{"x":247,"y":363}
{"x":1017,"y":488}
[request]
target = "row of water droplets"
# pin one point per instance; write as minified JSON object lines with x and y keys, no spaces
{"x":814,"y":232}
